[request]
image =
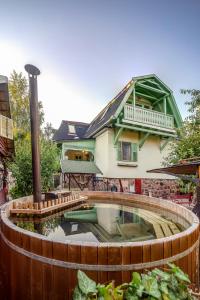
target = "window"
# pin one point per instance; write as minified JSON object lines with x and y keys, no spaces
{"x":127,"y":151}
{"x":71,"y":129}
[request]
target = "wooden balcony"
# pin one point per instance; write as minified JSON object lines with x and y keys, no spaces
{"x":148,"y":118}
{"x":6,"y":127}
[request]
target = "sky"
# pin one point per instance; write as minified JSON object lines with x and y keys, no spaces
{"x":87,"y":50}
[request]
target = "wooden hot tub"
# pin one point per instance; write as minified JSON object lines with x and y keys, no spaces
{"x":36,"y":267}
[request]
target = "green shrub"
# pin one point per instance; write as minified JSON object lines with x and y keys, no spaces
{"x":156,"y":284}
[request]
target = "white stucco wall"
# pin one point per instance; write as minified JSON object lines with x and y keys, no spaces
{"x":102,"y":149}
{"x":149,"y":157}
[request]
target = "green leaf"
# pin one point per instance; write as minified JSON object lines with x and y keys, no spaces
{"x":163,"y":275}
{"x":180,"y":275}
{"x":86,"y":284}
{"x":173,"y":283}
{"x":118,"y":293}
{"x":165,"y":297}
{"x":101,"y":289}
{"x":173,"y":296}
{"x":136,"y":278}
{"x":151,"y":286}
{"x":164,"y":288}
{"x":130,"y":296}
{"x":140,"y":290}
{"x":77,"y":295}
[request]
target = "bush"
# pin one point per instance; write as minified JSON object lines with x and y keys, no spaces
{"x":155,"y":284}
{"x":21,"y":167}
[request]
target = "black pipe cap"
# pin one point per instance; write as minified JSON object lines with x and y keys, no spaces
{"x":32,"y":70}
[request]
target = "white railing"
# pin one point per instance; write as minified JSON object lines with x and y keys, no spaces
{"x":6,"y":127}
{"x":147,"y":116}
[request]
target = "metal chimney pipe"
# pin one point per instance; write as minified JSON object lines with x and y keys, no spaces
{"x":33,"y":72}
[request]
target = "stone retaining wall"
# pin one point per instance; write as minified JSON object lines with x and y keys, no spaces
{"x":165,"y":188}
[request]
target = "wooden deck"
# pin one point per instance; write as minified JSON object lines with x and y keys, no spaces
{"x":44,"y":207}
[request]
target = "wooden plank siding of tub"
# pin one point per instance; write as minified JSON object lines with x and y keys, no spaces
{"x":47,"y":270}
{"x":5,"y":264}
{"x":137,"y":255}
{"x":89,"y":256}
{"x":36,"y":269}
{"x":167,"y":251}
{"x":74,"y":255}
{"x":183,"y":246}
{"x":189,"y":257}
{"x":60,"y":275}
{"x":115,"y":258}
{"x":195,"y":258}
{"x":157,"y":253}
{"x":17,"y":262}
{"x":126,"y":259}
{"x":102,"y":260}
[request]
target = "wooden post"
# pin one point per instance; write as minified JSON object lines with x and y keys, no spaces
{"x":165,"y":105}
{"x":133,"y":100}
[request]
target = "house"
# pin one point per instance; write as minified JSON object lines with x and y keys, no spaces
{"x":6,"y":136}
{"x":128,"y":137}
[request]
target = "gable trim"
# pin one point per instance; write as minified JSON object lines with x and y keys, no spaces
{"x":127,"y":95}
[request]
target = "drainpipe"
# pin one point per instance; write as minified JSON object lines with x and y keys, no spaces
{"x":33,"y":72}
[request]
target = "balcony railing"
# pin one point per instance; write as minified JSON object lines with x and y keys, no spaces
{"x":6,"y":127}
{"x":148,"y":117}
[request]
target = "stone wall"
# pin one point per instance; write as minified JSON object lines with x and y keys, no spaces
{"x":164,"y":188}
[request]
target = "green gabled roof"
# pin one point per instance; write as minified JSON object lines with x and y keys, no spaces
{"x":150,"y":79}
{"x":148,"y":84}
{"x":79,"y":167}
{"x":115,"y":106}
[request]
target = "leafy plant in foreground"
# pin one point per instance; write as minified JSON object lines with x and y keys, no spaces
{"x":155,"y":284}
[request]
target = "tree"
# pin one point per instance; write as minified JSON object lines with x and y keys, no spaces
{"x":21,"y":167}
{"x":48,"y":131}
{"x":19,"y":103}
{"x":187,"y":144}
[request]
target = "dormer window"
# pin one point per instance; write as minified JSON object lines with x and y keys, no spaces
{"x":71,"y":129}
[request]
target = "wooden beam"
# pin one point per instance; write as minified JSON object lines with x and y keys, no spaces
{"x":160,"y":107}
{"x":150,"y":88}
{"x":127,"y":95}
{"x":145,"y":96}
{"x":153,"y":82}
{"x":162,"y":147}
{"x":165,"y":105}
{"x":154,"y":104}
{"x":133,"y":97}
{"x":145,"y":130}
{"x":173,"y":111}
{"x":143,"y":139}
{"x":117,"y":135}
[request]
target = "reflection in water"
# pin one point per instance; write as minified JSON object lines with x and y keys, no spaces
{"x":104,"y":223}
